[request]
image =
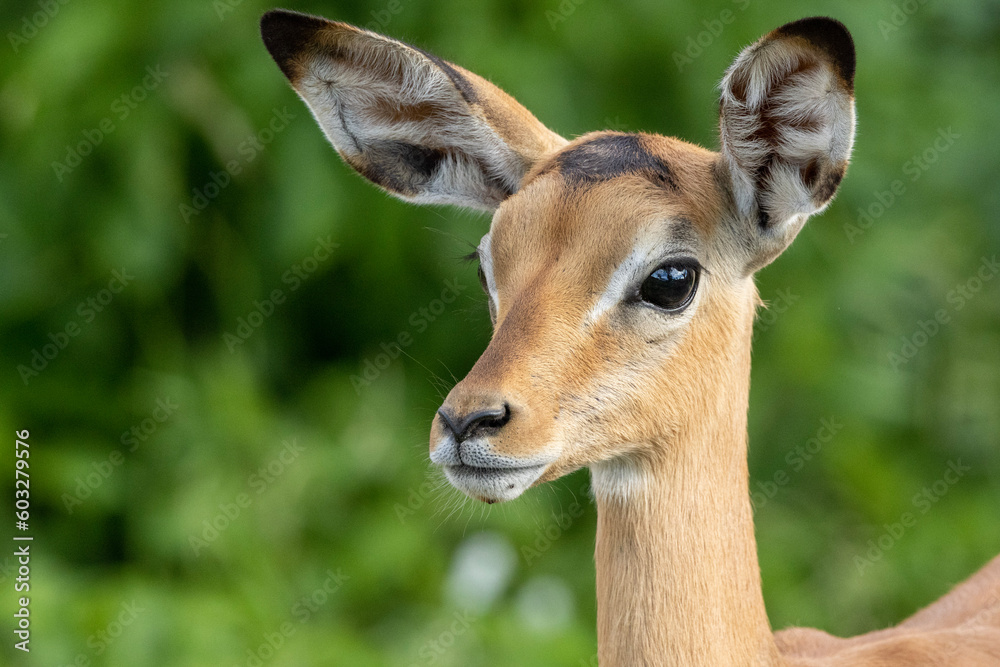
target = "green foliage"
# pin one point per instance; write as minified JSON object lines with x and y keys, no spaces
{"x":350,"y":540}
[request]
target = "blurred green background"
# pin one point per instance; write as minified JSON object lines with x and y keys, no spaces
{"x":174,"y":406}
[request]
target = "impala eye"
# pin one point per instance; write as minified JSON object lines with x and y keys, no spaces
{"x":489,"y":297}
{"x":670,"y":287}
{"x":482,"y":279}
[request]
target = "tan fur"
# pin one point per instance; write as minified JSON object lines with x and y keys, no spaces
{"x":579,"y":371}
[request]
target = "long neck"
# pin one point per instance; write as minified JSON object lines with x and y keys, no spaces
{"x":678,"y":580}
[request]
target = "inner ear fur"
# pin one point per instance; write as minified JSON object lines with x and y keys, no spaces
{"x":787,"y":127}
{"x":421,"y":128}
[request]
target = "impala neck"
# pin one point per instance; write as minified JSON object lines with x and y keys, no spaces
{"x":678,"y":580}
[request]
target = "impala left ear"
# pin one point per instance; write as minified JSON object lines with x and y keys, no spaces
{"x":787,"y":127}
{"x":419,"y":127}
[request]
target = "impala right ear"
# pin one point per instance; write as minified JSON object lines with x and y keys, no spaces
{"x":787,"y":127}
{"x":423,"y":129}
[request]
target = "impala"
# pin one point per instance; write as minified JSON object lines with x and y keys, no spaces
{"x":619,"y":270}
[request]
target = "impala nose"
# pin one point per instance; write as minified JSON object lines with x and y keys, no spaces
{"x":478,"y":422}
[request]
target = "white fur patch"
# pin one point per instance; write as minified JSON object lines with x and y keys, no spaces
{"x":620,"y":479}
{"x":624,"y":277}
{"x":485,"y":252}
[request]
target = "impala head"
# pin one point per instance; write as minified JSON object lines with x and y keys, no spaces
{"x":619,"y":267}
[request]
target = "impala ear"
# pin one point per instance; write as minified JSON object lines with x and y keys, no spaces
{"x":421,"y":128}
{"x":787,"y":126}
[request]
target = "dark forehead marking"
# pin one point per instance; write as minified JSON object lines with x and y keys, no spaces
{"x":682,"y":230}
{"x":611,"y":155}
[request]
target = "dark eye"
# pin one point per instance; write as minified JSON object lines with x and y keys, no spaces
{"x":670,"y":287}
{"x":486,"y":289}
{"x":482,"y":278}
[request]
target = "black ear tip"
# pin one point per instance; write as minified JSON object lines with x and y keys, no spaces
{"x":286,"y":34}
{"x":828,"y":34}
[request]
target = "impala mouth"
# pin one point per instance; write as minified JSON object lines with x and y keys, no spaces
{"x":493,"y":484}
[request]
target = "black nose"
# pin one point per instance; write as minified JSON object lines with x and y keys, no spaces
{"x":476,"y":423}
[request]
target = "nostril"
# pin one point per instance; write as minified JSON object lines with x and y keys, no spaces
{"x":475,"y":423}
{"x":491,"y":419}
{"x":482,"y":421}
